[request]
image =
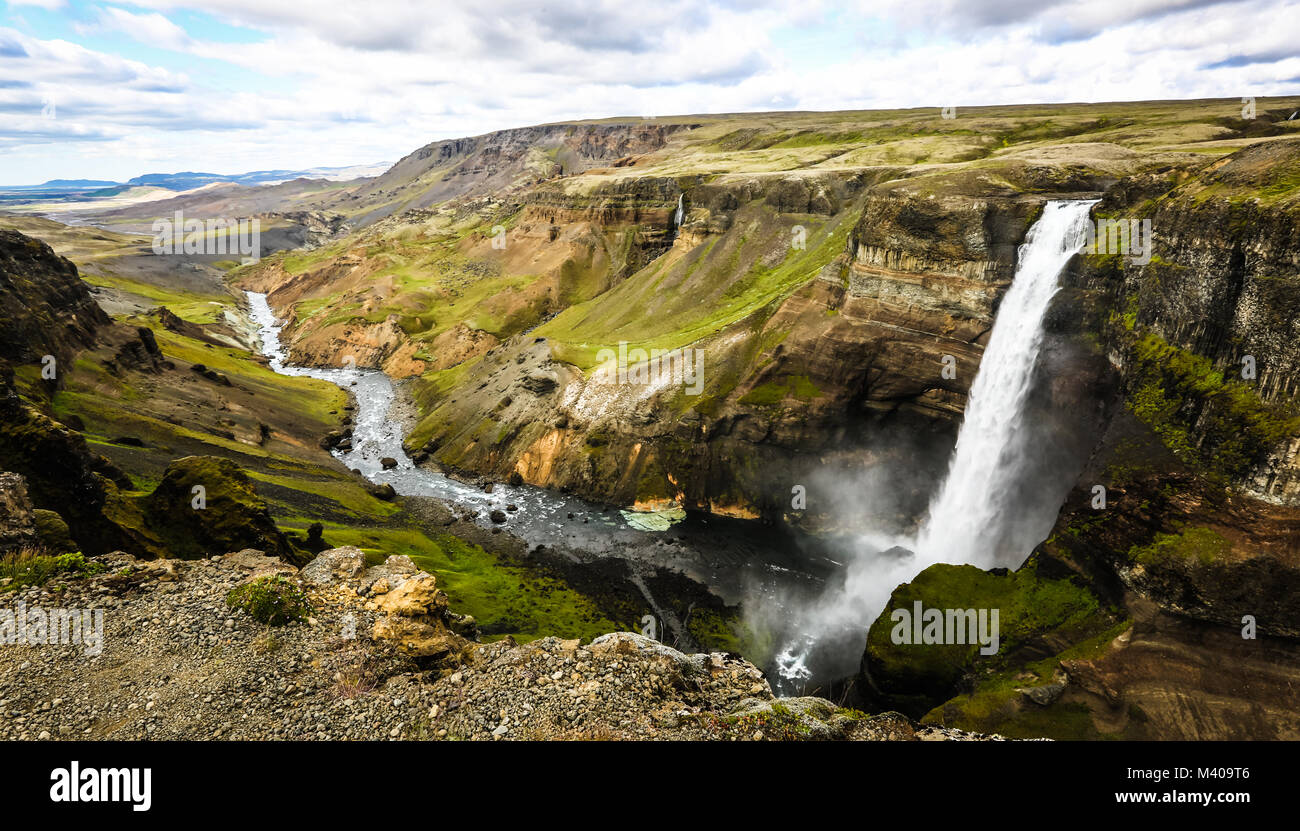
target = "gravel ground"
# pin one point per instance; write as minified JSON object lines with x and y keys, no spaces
{"x":176,"y":663}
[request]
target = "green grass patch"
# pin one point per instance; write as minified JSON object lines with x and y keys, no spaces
{"x":29,"y":567}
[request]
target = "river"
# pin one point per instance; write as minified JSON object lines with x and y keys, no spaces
{"x":739,"y":561}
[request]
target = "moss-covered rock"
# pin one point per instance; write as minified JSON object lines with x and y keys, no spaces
{"x":1032,"y":611}
{"x":53,"y":532}
{"x":206,"y":505}
{"x":45,"y":308}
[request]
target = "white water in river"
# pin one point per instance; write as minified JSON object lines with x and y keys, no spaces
{"x":725,"y":555}
{"x":975,"y":517}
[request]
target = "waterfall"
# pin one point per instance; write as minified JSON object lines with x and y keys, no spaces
{"x":971,"y":517}
{"x":681,"y":212}
{"x":979,"y":515}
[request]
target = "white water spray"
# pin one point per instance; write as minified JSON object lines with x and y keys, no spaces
{"x":681,"y":212}
{"x":974,"y":517}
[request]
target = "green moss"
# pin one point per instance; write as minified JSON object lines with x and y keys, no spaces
{"x":192,"y":306}
{"x":53,"y":532}
{"x":274,"y":600}
{"x":1200,"y":545}
{"x":523,"y":602}
{"x":765,"y":395}
{"x":1030,"y":608}
{"x":675,"y":302}
{"x":996,"y":704}
{"x":800,"y":386}
{"x":1218,"y":425}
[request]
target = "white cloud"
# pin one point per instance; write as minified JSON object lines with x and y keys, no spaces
{"x":358,"y":82}
{"x":152,"y":29}
{"x":50,"y":5}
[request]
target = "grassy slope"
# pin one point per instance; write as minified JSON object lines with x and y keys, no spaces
{"x":676,"y":302}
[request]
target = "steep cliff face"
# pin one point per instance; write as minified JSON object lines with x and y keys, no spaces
{"x":833,"y":314}
{"x":1219,"y":300}
{"x":45,"y":308}
{"x":839,"y":309}
{"x":1201,"y":458}
{"x":62,"y":473}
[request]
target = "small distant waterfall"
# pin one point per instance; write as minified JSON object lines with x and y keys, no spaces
{"x":681,"y":212}
{"x":968,"y":518}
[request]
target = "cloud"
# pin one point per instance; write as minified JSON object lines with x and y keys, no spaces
{"x":49,"y":5}
{"x":152,"y":29}
{"x":10,"y":47}
{"x":265,"y":80}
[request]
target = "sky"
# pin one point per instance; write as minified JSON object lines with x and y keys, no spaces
{"x":111,"y":90}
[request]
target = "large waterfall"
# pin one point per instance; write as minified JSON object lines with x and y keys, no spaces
{"x":978,"y":515}
{"x":967,"y":522}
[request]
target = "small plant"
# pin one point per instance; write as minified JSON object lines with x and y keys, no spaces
{"x":273,"y":600}
{"x":35,"y":567}
{"x":266,"y":644}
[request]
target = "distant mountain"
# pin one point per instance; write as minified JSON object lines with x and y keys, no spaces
{"x":66,"y":184}
{"x":188,"y":180}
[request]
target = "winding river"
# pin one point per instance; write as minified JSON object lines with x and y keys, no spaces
{"x":737,"y":560}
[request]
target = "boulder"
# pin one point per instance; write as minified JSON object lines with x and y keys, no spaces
{"x":632,"y":644}
{"x":388,"y":575}
{"x":315,"y":542}
{"x":331,"y":440}
{"x":257,"y":563}
{"x":335,"y":566}
{"x":415,"y":596}
{"x":540,"y":382}
{"x":417,"y":638}
{"x":62,"y":473}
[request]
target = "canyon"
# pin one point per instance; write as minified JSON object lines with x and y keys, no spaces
{"x":838,"y":276}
